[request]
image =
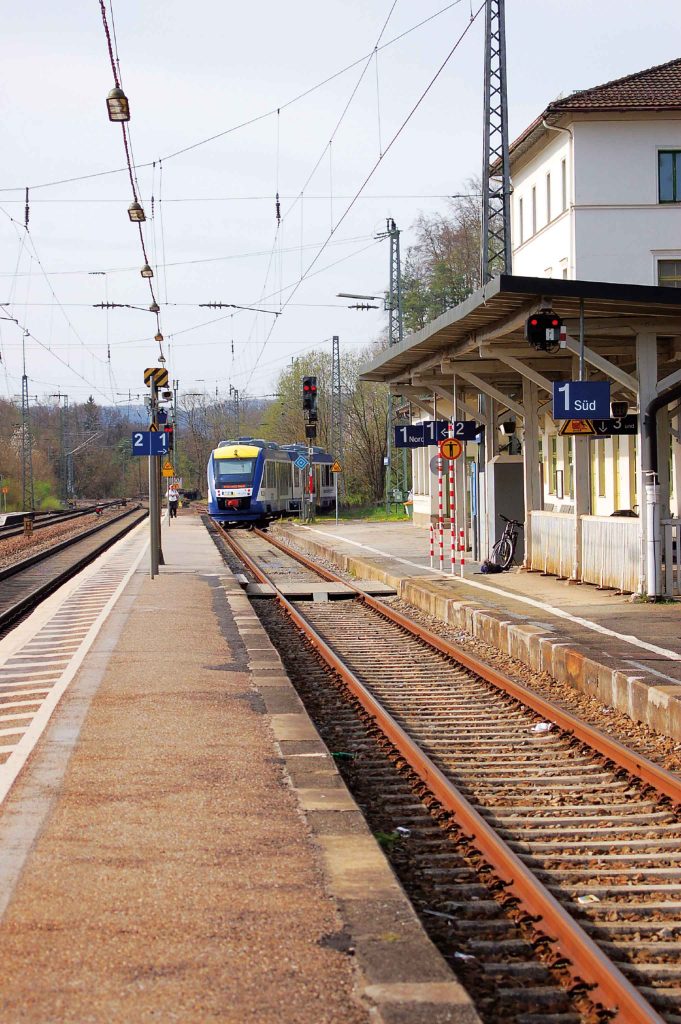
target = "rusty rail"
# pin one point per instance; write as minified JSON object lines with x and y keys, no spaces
{"x":642,"y":768}
{"x":587,"y":962}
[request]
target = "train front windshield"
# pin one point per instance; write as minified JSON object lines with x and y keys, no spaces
{"x":234,"y":471}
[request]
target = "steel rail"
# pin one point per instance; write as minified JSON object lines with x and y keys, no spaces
{"x":29,"y":601}
{"x":636,"y":764}
{"x":45,"y":520}
{"x":25,"y":563}
{"x":587,"y":962}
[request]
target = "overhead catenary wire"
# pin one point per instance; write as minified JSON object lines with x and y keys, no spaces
{"x":205,"y":259}
{"x":47,"y":348}
{"x":367,"y":61}
{"x":327,"y":147}
{"x":373,"y":169}
{"x":23,"y":231}
{"x":244,"y":124}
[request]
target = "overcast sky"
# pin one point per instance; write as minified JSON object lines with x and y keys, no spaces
{"x":194,"y":70}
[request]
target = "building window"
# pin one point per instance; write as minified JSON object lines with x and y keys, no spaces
{"x":601,"y":467}
{"x":565,"y":273}
{"x":534,"y":210}
{"x":563,"y":182}
{"x":669,"y":273}
{"x":548,"y":198}
{"x":553,"y":464}
{"x":669,"y":175}
{"x":521,"y":233}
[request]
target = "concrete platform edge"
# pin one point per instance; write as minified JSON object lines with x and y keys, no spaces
{"x":402,"y":974}
{"x":543,"y":651}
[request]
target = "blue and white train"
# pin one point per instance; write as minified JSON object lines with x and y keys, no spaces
{"x":250,"y":480}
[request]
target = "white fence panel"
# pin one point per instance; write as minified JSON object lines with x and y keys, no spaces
{"x":611,"y":551}
{"x":671,"y":552}
{"x":552,"y":542}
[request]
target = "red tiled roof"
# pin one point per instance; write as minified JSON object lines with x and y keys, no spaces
{"x":657,"y":88}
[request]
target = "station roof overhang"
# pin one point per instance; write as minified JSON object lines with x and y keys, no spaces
{"x":484,"y":335}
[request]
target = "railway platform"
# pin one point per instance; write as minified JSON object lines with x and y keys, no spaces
{"x":627,"y":654}
{"x":175,"y":840}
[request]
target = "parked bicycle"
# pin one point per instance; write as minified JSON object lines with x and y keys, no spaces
{"x":504,"y":550}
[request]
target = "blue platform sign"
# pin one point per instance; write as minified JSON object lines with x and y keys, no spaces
{"x":301,"y":462}
{"x":434,"y":431}
{"x":149,"y":442}
{"x":421,"y":435}
{"x":409,"y":436}
{"x":581,"y":399}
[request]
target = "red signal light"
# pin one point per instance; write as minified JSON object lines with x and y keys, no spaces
{"x":554,"y":322}
{"x":306,"y":387}
{"x":534,"y":321}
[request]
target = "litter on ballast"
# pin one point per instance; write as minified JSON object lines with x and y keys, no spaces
{"x":403,"y":831}
{"x":542,"y":727}
{"x":589,"y":898}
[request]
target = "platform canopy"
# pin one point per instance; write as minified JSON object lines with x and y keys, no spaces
{"x":485,"y":335}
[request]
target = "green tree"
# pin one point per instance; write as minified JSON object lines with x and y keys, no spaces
{"x":442,"y":268}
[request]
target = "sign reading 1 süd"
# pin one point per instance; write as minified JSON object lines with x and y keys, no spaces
{"x":431,"y":432}
{"x":581,"y":399}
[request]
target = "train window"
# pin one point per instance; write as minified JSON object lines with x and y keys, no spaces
{"x":283,"y":478}
{"x":233,"y":471}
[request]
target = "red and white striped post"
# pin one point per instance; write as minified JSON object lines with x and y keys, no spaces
{"x":452,"y":510}
{"x":462,"y":550}
{"x":432,"y":545}
{"x":440,"y":515}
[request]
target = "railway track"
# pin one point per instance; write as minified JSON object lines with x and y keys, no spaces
{"x":582,"y":835}
{"x":24,"y":584}
{"x":11,"y":523}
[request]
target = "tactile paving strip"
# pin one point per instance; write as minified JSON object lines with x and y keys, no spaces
{"x":35,"y":674}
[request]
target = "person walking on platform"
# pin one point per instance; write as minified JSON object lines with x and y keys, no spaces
{"x":173,"y":500}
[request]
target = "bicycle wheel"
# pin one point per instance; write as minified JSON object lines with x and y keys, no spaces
{"x":504,"y":552}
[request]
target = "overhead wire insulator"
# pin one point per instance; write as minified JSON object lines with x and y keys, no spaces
{"x":277,"y":206}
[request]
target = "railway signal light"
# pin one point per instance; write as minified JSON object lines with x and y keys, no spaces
{"x":310,"y":399}
{"x":169,"y":432}
{"x":545,"y":331}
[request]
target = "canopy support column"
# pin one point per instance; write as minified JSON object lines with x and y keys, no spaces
{"x":531,"y":476}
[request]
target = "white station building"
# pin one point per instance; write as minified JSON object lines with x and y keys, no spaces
{"x":596,"y":221}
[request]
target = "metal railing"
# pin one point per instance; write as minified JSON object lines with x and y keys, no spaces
{"x":610,"y":548}
{"x":671,"y":553}
{"x":611,"y":552}
{"x":552,"y":542}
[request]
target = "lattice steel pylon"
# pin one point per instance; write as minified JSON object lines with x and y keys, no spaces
{"x":496,"y":173}
{"x":63,"y":447}
{"x":395,"y":328}
{"x":395,"y":335}
{"x":27,"y":493}
{"x":336,"y":401}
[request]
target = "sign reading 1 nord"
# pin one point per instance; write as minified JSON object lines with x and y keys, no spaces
{"x":581,"y":399}
{"x":431,"y":432}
